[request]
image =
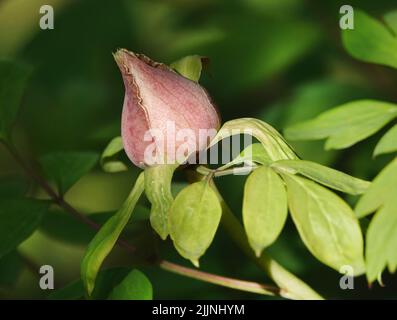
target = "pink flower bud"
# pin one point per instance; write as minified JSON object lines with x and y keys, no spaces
{"x":156,"y":95}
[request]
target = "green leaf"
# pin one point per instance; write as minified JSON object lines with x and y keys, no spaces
{"x":13,"y":80}
{"x":190,"y":67}
{"x":72,"y":291}
{"x":371,"y":41}
{"x":135,"y":286}
{"x":326,"y":224}
{"x":329,"y":177}
{"x":19,"y":218}
{"x":275,"y":145}
{"x":388,"y":143}
{"x":345,"y":125}
{"x":254,"y":153}
{"x":381,"y":240}
{"x":107,"y":279}
{"x":381,"y":191}
{"x":11,"y":266}
{"x":391,"y":20}
{"x":108,"y":161}
{"x":66,"y":168}
{"x":193,"y":220}
{"x":107,"y":236}
{"x":158,"y":190}
{"x":177,"y":187}
{"x":264,"y":208}
{"x":13,"y":186}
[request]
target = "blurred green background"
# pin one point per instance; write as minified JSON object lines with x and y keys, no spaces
{"x":278,"y":60}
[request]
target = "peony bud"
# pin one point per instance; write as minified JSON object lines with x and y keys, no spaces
{"x":155,"y":95}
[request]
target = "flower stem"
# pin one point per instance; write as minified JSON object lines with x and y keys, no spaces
{"x":247,"y":286}
{"x":291,"y":287}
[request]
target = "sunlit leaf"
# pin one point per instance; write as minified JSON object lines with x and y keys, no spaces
{"x":381,"y":191}
{"x":326,"y":224}
{"x":388,"y":143}
{"x":381,"y":240}
{"x":254,"y":153}
{"x":327,"y":176}
{"x":66,"y":168}
{"x":274,"y":144}
{"x":194,"y":219}
{"x":177,"y":187}
{"x":135,"y":286}
{"x":190,"y":67}
{"x":107,"y":236}
{"x":19,"y":218}
{"x":345,"y":125}
{"x":264,"y":208}
{"x":13,"y":79}
{"x":158,"y":190}
{"x":371,"y":40}
{"x":108,"y":160}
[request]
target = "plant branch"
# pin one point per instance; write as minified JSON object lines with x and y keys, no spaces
{"x":248,"y":286}
{"x":56,"y":198}
{"x":163,"y":264}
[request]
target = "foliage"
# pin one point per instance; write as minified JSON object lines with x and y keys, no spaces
{"x":106,"y":238}
{"x":295,"y":200}
{"x":158,"y":190}
{"x":350,"y":123}
{"x":264,"y":208}
{"x":371,"y":40}
{"x":194,"y":218}
{"x":346,"y":125}
{"x":66,"y":168}
{"x":108,"y":161}
{"x":381,"y":240}
{"x":20,"y":215}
